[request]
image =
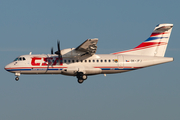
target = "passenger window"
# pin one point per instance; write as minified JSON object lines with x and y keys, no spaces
{"x":89,"y":60}
{"x":81,"y":60}
{"x":105,"y":60}
{"x":93,"y":60}
{"x":101,"y":60}
{"x":109,"y":60}
{"x":64,"y":61}
{"x":77,"y":60}
{"x":69,"y":61}
{"x":85,"y":60}
{"x":73,"y":61}
{"x":97,"y":60}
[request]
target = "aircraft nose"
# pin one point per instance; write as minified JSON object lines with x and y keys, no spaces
{"x":6,"y":67}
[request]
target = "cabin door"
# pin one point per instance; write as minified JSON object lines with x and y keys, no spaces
{"x":120,"y":61}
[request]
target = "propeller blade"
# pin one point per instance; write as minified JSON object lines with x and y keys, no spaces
{"x":52,"y":50}
{"x":59,"y":59}
{"x":58,"y":45}
{"x":59,"y":53}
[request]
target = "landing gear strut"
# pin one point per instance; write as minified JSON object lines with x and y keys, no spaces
{"x":81,"y":77}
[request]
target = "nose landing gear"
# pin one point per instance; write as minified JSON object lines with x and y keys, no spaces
{"x":17,"y":76}
{"x":81,"y":77}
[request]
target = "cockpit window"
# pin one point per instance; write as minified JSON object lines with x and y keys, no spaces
{"x":16,"y":59}
{"x":20,"y":59}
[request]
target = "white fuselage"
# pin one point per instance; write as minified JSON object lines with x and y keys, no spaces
{"x":96,"y":64}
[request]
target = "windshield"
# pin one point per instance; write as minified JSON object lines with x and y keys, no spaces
{"x":16,"y":59}
{"x":20,"y":59}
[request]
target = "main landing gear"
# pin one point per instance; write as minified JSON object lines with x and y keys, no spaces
{"x":81,"y":77}
{"x":17,"y":76}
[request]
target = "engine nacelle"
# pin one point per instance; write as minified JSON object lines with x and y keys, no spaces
{"x":72,"y":71}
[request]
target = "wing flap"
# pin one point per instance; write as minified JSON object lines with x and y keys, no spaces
{"x":89,"y":47}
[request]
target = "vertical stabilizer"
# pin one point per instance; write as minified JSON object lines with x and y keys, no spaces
{"x":155,"y":45}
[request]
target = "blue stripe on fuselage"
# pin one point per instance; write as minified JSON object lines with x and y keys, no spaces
{"x":117,"y":68}
{"x":31,"y":69}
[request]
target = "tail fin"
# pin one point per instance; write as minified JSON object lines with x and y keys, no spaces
{"x":155,"y":45}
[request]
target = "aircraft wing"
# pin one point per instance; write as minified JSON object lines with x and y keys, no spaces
{"x":89,"y":47}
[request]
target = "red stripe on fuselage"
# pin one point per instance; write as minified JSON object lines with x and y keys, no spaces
{"x":116,"y":67}
{"x":32,"y":67}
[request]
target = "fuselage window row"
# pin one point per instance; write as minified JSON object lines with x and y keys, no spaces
{"x":72,"y":61}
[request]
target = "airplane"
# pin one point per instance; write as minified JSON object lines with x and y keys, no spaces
{"x":83,"y":62}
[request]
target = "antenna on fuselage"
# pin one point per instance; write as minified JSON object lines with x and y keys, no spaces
{"x":30,"y":53}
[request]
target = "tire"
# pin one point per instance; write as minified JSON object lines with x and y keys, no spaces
{"x":80,"y":81}
{"x":84,"y":77}
{"x":17,"y":78}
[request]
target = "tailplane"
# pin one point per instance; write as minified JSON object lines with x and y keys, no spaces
{"x":155,"y":45}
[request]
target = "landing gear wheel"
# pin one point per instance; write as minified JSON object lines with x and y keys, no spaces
{"x":84,"y":77}
{"x":80,"y":81}
{"x":17,"y":78}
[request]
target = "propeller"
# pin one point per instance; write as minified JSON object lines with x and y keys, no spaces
{"x":52,"y":50}
{"x":59,"y":53}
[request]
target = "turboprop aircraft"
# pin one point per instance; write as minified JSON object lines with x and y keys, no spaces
{"x":82,"y":60}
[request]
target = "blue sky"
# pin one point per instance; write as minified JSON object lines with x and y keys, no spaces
{"x":34,"y":26}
